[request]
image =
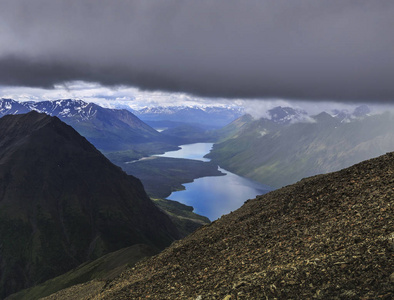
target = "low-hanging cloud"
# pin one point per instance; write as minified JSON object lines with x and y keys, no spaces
{"x":325,"y":50}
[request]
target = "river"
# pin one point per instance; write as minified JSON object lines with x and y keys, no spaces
{"x":214,"y":196}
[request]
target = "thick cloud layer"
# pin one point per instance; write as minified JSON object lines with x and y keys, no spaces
{"x":304,"y":49}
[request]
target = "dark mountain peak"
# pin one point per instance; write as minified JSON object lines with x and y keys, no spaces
{"x":23,"y":123}
{"x":324,"y":117}
{"x":62,"y":202}
{"x":34,"y":128}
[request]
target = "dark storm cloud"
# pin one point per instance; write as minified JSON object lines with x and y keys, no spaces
{"x":329,"y":50}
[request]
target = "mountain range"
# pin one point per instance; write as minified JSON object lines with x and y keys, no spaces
{"x":328,"y":236}
{"x":107,"y":129}
{"x":279,"y":153}
{"x":209,"y":117}
{"x":63,"y":203}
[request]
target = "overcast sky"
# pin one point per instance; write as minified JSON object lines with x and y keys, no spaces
{"x":333,"y":50}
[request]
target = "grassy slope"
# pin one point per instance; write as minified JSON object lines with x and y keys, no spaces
{"x":182,"y":215}
{"x":111,"y":265}
{"x":138,"y":151}
{"x":106,"y":267}
{"x":163,"y":175}
{"x":288,"y":154}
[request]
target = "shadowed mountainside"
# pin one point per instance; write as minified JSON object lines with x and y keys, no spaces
{"x":326,"y":237}
{"x":62,"y":203}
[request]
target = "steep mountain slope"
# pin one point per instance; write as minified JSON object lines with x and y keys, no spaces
{"x":62,"y":203}
{"x":281,"y":155}
{"x":326,"y":237}
{"x":234,"y":128}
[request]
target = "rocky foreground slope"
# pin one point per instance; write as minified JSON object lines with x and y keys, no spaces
{"x":326,"y":237}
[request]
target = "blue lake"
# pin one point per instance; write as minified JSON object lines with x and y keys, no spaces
{"x":214,"y":196}
{"x":191,"y":151}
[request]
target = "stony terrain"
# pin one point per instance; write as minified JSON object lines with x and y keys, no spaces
{"x":325,"y":237}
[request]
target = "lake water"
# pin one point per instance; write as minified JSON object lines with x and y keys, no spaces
{"x":214,"y":196}
{"x":191,"y":151}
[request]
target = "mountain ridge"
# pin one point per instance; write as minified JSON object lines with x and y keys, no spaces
{"x":280,"y":154}
{"x":108,"y":129}
{"x":205,"y":117}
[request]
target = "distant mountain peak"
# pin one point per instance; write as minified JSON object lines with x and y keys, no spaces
{"x":324,"y":117}
{"x":209,"y":116}
{"x":286,"y":115}
{"x":346,"y":117}
{"x":361,"y":111}
{"x":65,"y":108}
{"x":11,"y":107}
{"x":107,"y":129}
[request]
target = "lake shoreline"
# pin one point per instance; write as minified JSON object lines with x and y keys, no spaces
{"x":221,"y":195}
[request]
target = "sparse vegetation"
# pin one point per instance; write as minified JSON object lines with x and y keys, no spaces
{"x":163,"y":175}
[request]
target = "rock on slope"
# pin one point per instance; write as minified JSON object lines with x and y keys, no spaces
{"x":328,"y":236}
{"x":62,"y":203}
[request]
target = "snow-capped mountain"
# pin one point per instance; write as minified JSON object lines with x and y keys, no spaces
{"x":345,"y":116}
{"x":209,"y":116}
{"x":286,"y":115}
{"x":65,"y":108}
{"x":12,"y":107}
{"x":289,"y":115}
{"x":107,"y":129}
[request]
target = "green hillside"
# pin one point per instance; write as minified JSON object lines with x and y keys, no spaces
{"x":286,"y":154}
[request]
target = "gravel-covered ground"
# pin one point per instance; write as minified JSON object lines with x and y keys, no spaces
{"x":325,"y":237}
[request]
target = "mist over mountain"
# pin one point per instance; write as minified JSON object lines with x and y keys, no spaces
{"x":63,"y":203}
{"x":286,"y":115}
{"x":278,"y":153}
{"x":203,"y":117}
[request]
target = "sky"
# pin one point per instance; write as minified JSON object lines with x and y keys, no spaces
{"x":223,"y":51}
